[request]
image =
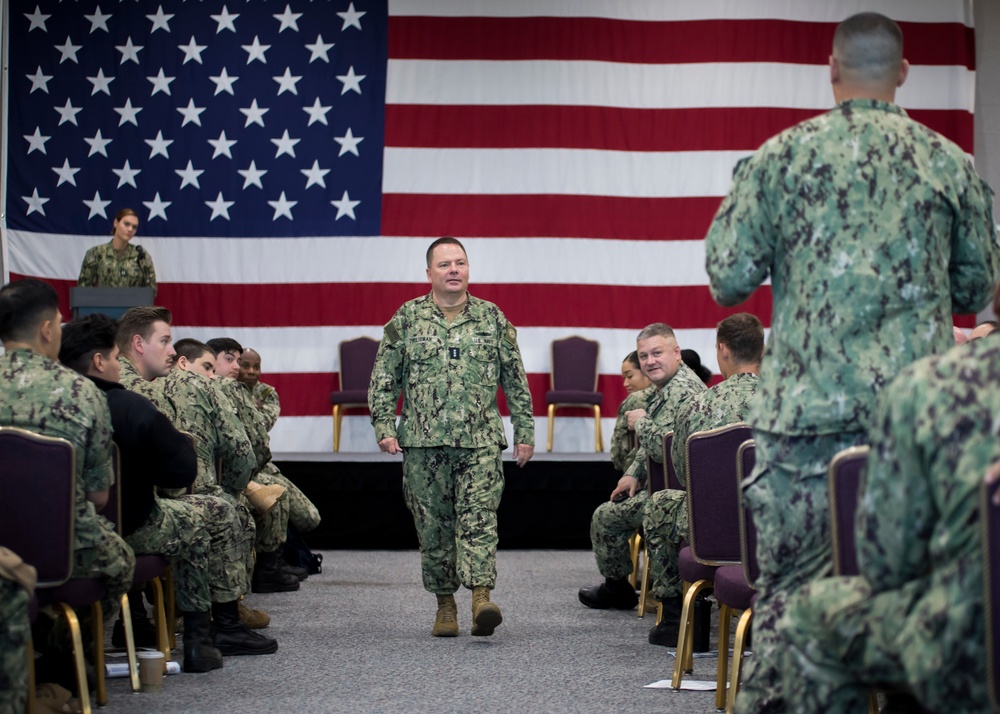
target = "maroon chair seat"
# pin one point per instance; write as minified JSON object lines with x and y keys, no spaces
{"x":357,"y":359}
{"x":691,"y":571}
{"x":574,"y":382}
{"x":731,"y":588}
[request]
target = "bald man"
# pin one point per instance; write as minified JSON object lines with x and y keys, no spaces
{"x":873,"y":229}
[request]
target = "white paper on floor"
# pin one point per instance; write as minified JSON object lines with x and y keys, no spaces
{"x":692,"y":685}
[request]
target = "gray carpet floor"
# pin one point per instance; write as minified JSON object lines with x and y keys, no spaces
{"x":356,"y":638}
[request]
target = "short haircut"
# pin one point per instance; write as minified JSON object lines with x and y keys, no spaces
{"x":191,"y":349}
{"x":633,"y":359}
{"x":24,"y":305}
{"x":657,"y":329}
{"x":83,"y":337}
{"x":446,"y":240}
{"x":743,"y":334}
{"x":869,"y":46}
{"x":140,"y":321}
{"x":225,"y":344}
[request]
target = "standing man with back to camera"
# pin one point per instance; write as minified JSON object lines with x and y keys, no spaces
{"x":873,"y":230}
{"x":447,"y":352}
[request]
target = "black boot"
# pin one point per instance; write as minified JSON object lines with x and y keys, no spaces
{"x":618,"y":594}
{"x":199,"y":653}
{"x":665,"y":634}
{"x":234,"y":638}
{"x":142,"y":629}
{"x":268,"y":577}
{"x":295,"y":571}
{"x":702,"y":623}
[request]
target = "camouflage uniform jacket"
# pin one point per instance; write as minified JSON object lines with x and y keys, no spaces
{"x":153,"y":391}
{"x":270,"y":404}
{"x":104,"y":268}
{"x":659,"y":419}
{"x":251,"y":417}
{"x":206,"y":413}
{"x":874,"y":230}
{"x":40,"y":395}
{"x":448,"y":374}
{"x":622,"y":451}
{"x":725,"y":403}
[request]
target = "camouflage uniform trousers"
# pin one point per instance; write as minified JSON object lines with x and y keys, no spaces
{"x":453,"y":494}
{"x":14,"y":633}
{"x":178,"y":530}
{"x":611,"y":526}
{"x":272,"y":527}
{"x":232,"y":532}
{"x":844,"y":639}
{"x":302,"y":513}
{"x":787,"y":496}
{"x":664,"y":526}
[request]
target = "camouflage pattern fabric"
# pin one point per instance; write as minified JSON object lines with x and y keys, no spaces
{"x":40,"y":395}
{"x":453,"y":494}
{"x":272,"y":527}
{"x":103,"y":267}
{"x":15,"y":631}
{"x":787,"y":495}
{"x":665,"y":522}
{"x":302,"y":513}
{"x":250,"y":417}
{"x":449,"y":374}
{"x":659,"y":418}
{"x":205,"y":412}
{"x":611,"y":526}
{"x":152,"y":390}
{"x":177,"y":529}
{"x":874,"y":230}
{"x":622,"y":451}
{"x":270,"y":405}
{"x":916,"y":618}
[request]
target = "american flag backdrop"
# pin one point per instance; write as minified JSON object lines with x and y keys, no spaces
{"x":290,"y":161}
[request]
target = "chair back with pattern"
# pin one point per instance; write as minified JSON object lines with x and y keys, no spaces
{"x":574,"y":372}
{"x":668,"y":463}
{"x":991,"y":578}
{"x":38,"y":509}
{"x":713,"y":493}
{"x":845,"y":472}
{"x":748,"y":532}
{"x":655,"y":480}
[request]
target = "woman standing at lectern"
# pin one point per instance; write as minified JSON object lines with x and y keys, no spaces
{"x":119,"y":264}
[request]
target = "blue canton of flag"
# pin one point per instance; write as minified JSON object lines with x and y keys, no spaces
{"x":209,"y":119}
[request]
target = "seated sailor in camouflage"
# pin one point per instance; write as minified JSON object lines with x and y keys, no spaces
{"x":739,"y":346}
{"x":873,"y":230}
{"x":146,"y":355}
{"x":614,"y":522}
{"x":119,"y":264}
{"x":915,"y":618}
{"x":264,"y":395}
{"x":40,"y":395}
{"x":640,"y":391}
{"x":447,"y":352}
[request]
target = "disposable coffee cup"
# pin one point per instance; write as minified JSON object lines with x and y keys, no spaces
{"x":151,"y":670}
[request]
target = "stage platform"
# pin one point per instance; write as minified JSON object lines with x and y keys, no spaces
{"x":547,"y":504}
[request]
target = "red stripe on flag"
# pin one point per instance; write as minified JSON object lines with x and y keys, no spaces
{"x":617,"y":129}
{"x":609,"y":40}
{"x":548,"y":216}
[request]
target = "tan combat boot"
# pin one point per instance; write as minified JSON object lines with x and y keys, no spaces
{"x":446,"y":622}
{"x":254,"y":619}
{"x":486,"y":615}
{"x":263,"y":498}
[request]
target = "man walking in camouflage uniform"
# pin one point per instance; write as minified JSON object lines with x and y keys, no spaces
{"x":873,"y":229}
{"x":447,"y":352}
{"x":914,"y":620}
{"x":40,"y":395}
{"x":153,"y":453}
{"x":614,"y":522}
{"x":739,"y":345}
